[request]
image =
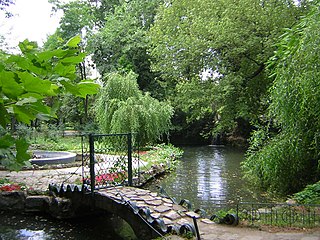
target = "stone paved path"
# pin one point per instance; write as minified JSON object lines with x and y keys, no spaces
{"x":39,"y":180}
{"x":160,"y":208}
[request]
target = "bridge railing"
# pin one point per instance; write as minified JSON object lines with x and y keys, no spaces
{"x":109,"y":159}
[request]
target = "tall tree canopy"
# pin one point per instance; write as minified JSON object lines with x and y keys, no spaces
{"x":288,"y":159}
{"x":234,"y":38}
{"x":121,"y":45}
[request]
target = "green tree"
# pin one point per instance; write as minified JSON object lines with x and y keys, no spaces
{"x":121,"y":45}
{"x":27,"y":82}
{"x":234,"y":38}
{"x":79,"y":18}
{"x":122,"y":107}
{"x":288,"y":159}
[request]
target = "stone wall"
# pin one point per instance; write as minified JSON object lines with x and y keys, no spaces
{"x":19,"y":201}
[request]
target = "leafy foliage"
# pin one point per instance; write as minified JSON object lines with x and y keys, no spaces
{"x":190,"y":37}
{"x":309,"y":195}
{"x":121,"y":45}
{"x":289,"y":159}
{"x":28,"y":84}
{"x":122,"y":107}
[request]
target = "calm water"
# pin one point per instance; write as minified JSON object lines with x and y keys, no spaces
{"x":35,"y":227}
{"x":209,"y":176}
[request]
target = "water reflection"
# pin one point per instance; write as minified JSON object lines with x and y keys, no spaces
{"x":14,"y":226}
{"x":209,"y":176}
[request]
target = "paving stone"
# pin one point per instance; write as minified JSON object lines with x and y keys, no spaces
{"x":167,"y":221}
{"x":141,"y":204}
{"x":173,"y":215}
{"x":153,"y":194}
{"x":179,"y":208}
{"x":115,"y":197}
{"x":141,"y":192}
{"x":148,"y":198}
{"x":155,"y":215}
{"x":183,"y":221}
{"x":167,"y":200}
{"x":136,"y":198}
{"x":129,"y":193}
{"x":193,"y":214}
{"x":168,"y":204}
{"x":162,"y":209}
{"x":131,"y":196}
{"x":153,"y":202}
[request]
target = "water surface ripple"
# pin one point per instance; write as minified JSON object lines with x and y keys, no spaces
{"x":209,"y":176}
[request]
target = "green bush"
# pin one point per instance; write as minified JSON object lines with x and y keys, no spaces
{"x":310,"y":195}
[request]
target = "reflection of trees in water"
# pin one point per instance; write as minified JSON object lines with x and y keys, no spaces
{"x":208,"y":176}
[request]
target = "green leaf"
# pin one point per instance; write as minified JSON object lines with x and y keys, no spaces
{"x":65,"y":71}
{"x":6,"y":141}
{"x":33,"y":95}
{"x":35,"y":84}
{"x":9,"y":85}
{"x":73,"y":42}
{"x":47,"y":55}
{"x":74,"y":59}
{"x":26,"y":46}
{"x":2,"y":67}
{"x":71,"y":88}
{"x":20,"y":61}
{"x":22,"y":147}
{"x":4,"y":116}
{"x":28,"y":100}
{"x":87,"y":87}
{"x":23,"y":114}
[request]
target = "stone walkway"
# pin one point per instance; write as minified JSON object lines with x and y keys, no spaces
{"x":40,"y":179}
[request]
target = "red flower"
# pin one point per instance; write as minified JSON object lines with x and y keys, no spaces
{"x":10,"y":188}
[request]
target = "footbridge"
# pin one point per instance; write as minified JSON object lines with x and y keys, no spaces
{"x":112,"y":175}
{"x":149,"y":214}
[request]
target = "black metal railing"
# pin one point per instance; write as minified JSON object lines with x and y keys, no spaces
{"x":289,"y":215}
{"x":253,"y":213}
{"x":109,"y":159}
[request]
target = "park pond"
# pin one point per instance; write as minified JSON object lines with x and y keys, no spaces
{"x":208,"y":176}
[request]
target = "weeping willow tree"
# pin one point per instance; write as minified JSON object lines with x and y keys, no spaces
{"x":122,"y":107}
{"x":288,"y":159}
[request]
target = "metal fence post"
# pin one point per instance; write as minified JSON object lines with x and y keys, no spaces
{"x":130,"y":159}
{"x":92,"y":172}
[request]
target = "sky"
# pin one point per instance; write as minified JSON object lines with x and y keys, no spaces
{"x":32,"y":20}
